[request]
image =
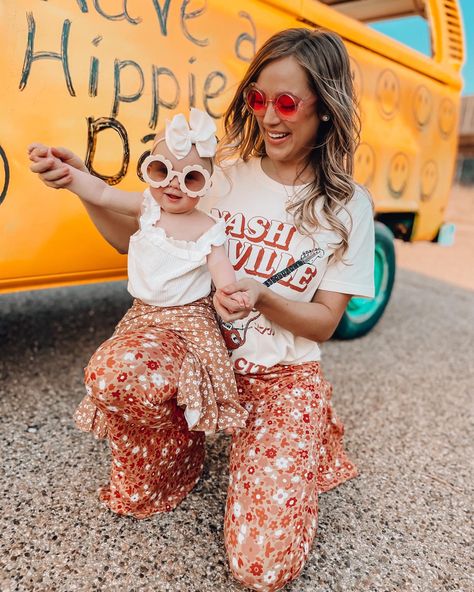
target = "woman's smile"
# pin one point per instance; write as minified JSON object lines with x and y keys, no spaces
{"x":275,"y":138}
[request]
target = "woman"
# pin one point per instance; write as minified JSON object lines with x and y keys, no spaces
{"x":293,"y":214}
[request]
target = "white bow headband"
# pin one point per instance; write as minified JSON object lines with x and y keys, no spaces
{"x":180,"y":136}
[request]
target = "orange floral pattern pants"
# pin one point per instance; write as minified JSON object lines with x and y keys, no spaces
{"x":290,"y":450}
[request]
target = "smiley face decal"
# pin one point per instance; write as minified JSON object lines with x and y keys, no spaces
{"x":356,"y":74}
{"x":428,"y":180}
{"x":364,"y":164}
{"x":398,"y":174}
{"x":446,"y":117}
{"x":422,"y":106}
{"x":388,"y":93}
{"x":4,"y":175}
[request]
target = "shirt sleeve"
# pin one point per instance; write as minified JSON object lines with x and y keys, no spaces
{"x":355,"y":273}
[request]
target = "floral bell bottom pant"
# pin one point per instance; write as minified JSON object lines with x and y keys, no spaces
{"x":290,"y":450}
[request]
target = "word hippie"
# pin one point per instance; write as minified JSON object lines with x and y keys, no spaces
{"x":165,"y":88}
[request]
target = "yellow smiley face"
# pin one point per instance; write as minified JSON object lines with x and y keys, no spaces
{"x":4,"y":175}
{"x":388,"y":93}
{"x":398,"y":174}
{"x":429,"y":180}
{"x":364,"y":164}
{"x":356,"y":74}
{"x":422,"y":106}
{"x":446,"y":117}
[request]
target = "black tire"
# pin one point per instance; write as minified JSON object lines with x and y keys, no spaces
{"x":356,"y":323}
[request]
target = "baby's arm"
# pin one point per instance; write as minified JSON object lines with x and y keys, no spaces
{"x":223,"y":273}
{"x":95,"y":191}
{"x":115,"y":228}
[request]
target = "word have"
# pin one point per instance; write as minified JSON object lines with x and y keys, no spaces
{"x":162,"y":12}
{"x":214,"y":84}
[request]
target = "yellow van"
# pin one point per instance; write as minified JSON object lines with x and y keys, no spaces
{"x":100,"y":77}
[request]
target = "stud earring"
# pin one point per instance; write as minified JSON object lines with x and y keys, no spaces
{"x":325,"y":117}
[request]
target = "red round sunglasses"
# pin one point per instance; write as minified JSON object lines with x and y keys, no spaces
{"x":285,"y":104}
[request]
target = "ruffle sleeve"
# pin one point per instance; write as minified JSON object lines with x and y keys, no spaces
{"x":151,"y":211}
{"x":214,"y":237}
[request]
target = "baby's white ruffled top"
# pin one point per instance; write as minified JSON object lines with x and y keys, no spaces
{"x":163,"y":271}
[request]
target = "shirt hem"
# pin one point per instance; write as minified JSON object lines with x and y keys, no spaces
{"x":332,"y":286}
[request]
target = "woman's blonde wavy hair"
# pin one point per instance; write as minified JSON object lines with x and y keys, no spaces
{"x":324,"y":58}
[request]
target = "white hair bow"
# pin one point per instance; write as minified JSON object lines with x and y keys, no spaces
{"x":201,"y":131}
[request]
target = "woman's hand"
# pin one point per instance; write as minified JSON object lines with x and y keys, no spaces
{"x":51,"y":164}
{"x":229,"y":308}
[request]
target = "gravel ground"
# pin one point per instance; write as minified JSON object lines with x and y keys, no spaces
{"x":404,"y":393}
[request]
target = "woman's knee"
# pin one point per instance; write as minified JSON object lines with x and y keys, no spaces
{"x":101,"y":373}
{"x":133,"y":383}
{"x":120,"y":372}
{"x":256,"y":574}
{"x":259,"y":565}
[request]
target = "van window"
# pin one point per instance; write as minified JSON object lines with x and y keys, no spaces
{"x":404,"y":21}
{"x":412,"y":31}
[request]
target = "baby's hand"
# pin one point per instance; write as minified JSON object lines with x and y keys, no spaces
{"x":242,"y":299}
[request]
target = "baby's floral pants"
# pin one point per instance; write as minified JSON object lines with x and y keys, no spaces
{"x":290,"y":450}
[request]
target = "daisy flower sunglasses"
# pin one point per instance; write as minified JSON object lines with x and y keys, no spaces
{"x":193,"y":180}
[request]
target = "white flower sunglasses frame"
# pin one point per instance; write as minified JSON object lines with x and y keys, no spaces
{"x":172,"y":173}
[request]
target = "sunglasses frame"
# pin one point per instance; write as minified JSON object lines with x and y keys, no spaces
{"x":172,"y":173}
{"x":261,"y":113}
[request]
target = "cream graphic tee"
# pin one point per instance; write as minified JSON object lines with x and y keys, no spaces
{"x":262,"y":241}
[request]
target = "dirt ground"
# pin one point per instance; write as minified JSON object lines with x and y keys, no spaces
{"x":454,"y":264}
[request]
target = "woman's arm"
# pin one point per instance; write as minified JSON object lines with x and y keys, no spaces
{"x":114,"y":227}
{"x":316,"y":320}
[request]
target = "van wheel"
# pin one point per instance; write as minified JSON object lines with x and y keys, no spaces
{"x":362,"y":314}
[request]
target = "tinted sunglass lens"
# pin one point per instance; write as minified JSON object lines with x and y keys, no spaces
{"x":286,"y":105}
{"x":256,"y":100}
{"x":157,"y":171}
{"x":194,"y":181}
